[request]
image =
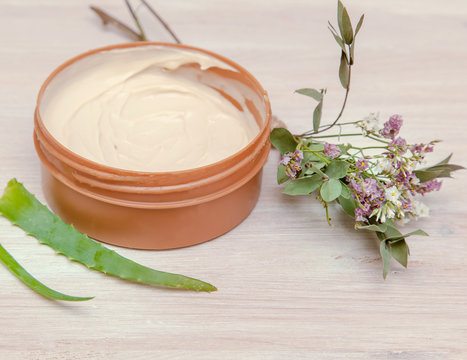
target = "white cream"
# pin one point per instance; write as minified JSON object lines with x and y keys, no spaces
{"x":148,"y":108}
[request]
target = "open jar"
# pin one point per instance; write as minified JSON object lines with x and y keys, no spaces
{"x":150,"y":208}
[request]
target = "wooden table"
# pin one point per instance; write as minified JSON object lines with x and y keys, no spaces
{"x":290,"y":287}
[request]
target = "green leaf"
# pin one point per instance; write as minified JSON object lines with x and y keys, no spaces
{"x":309,"y":156}
{"x":359,"y":25}
{"x":345,"y":27}
{"x":282,"y":177}
{"x":283,"y":140}
{"x":24,"y":210}
{"x":303,"y":186}
{"x":346,"y":192}
{"x":436,"y":171}
{"x":339,"y":41}
{"x":373,"y":227}
{"x":385,"y":251}
{"x":397,"y":235}
{"x":441,"y":169}
{"x":445,"y":161}
{"x":344,"y":148}
{"x":331,"y":190}
{"x":315,"y":94}
{"x":400,"y":252}
{"x":316,"y":168}
{"x":337,"y":169}
{"x":317,"y":116}
{"x":10,"y":262}
{"x":315,"y":146}
{"x":347,"y":204}
{"x":344,"y":71}
{"x":340,"y":11}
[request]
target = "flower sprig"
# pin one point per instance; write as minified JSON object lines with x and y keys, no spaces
{"x":378,"y":185}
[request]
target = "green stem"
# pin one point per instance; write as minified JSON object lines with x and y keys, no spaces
{"x":376,"y":139}
{"x":315,"y":153}
{"x":368,"y":147}
{"x":138,"y":24}
{"x":335,"y":135}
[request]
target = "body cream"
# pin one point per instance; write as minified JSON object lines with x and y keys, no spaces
{"x":144,"y":109}
{"x":125,"y":135}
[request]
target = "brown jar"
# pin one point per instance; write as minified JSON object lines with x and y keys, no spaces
{"x":156,"y":210}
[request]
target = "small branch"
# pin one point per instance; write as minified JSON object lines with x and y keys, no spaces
{"x":166,"y":26}
{"x":107,"y":19}
{"x":138,"y":24}
{"x":311,"y":133}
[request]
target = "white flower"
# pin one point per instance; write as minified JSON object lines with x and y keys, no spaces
{"x":370,"y":124}
{"x":393,"y":194}
{"x":414,"y":180}
{"x":419,"y":209}
{"x":383,"y":165}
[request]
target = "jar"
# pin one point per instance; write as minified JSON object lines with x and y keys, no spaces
{"x":157,"y":210}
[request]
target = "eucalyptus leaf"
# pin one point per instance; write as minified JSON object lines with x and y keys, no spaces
{"x":346,"y":31}
{"x":359,"y":25}
{"x":386,"y":255}
{"x":373,"y":227}
{"x":436,"y":171}
{"x":309,"y":156}
{"x":315,"y":146}
{"x":445,"y":161}
{"x":403,"y":236}
{"x":344,"y":71}
{"x":331,"y":190}
{"x":339,"y":41}
{"x":400,"y":252}
{"x":347,"y":204}
{"x":317,"y":116}
{"x":316,"y":168}
{"x":346,"y":192}
{"x":283,"y":140}
{"x":303,"y":186}
{"x":315,"y":94}
{"x":337,"y":169}
{"x":340,"y":11}
{"x":282,"y":177}
{"x":344,"y":148}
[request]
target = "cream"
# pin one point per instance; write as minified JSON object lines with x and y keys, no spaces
{"x":148,"y":108}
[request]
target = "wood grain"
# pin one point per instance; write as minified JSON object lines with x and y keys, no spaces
{"x":290,"y":287}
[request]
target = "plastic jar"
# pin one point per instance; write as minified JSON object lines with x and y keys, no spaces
{"x":156,"y":210}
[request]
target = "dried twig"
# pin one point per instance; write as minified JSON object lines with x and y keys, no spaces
{"x":166,"y":26}
{"x":107,"y":19}
{"x":138,"y":24}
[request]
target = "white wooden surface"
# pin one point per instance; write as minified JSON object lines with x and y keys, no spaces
{"x":290,"y":287}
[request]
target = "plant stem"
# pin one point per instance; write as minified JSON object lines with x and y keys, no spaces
{"x":336,"y":135}
{"x":327,"y":127}
{"x":166,"y":25}
{"x":138,"y":24}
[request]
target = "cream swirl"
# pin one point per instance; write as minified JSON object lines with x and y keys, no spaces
{"x":136,"y":109}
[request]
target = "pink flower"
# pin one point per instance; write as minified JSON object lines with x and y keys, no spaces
{"x":392,"y":126}
{"x":331,"y":150}
{"x":293,"y":163}
{"x":398,"y":144}
{"x":428,"y":186}
{"x":362,"y":164}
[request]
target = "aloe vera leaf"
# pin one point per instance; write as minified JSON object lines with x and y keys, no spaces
{"x":10,"y":262}
{"x":24,"y":210}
